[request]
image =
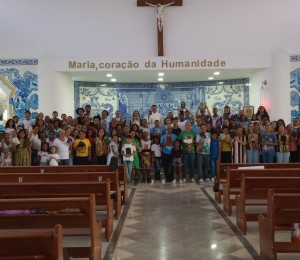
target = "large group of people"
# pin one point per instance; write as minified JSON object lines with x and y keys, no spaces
{"x":187,"y":147}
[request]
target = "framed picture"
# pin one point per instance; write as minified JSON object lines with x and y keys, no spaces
{"x":248,"y":111}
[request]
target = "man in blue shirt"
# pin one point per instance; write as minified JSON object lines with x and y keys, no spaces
{"x":166,"y":142}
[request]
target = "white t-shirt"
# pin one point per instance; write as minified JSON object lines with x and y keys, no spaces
{"x":129,"y":146}
{"x":44,"y":156}
{"x":28,"y":123}
{"x":154,"y":117}
{"x":156,"y":148}
{"x":62,"y":148}
{"x":51,"y":158}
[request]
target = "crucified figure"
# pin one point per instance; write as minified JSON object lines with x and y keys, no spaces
{"x":160,"y":9}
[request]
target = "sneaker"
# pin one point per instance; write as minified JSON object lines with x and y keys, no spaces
{"x":180,"y":181}
{"x":152,"y":182}
{"x":201,"y":180}
{"x":174,"y":181}
{"x":206,"y":180}
{"x":193,"y":180}
{"x":184,"y":180}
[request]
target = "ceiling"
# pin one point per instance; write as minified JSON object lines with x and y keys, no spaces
{"x":170,"y":75}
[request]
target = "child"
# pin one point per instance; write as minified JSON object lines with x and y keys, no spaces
{"x":53,"y":158}
{"x":177,"y":161}
{"x":145,"y":161}
{"x":214,"y":153}
{"x":43,"y":154}
{"x":128,"y":151}
{"x":156,"y":154}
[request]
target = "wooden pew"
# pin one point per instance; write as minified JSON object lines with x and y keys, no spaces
{"x":223,"y":168}
{"x":254,"y":192}
{"x":73,"y":224}
{"x":283,"y":211}
{"x":74,"y":168}
{"x":31,"y":244}
{"x":70,"y":177}
{"x":233,"y":182}
{"x":67,"y":189}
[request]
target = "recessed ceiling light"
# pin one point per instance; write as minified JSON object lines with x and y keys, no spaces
{"x":109,"y":75}
{"x":113,"y":80}
{"x":210,"y":78}
{"x":161,"y":74}
{"x":221,"y":82}
{"x":103,"y":85}
{"x":216,"y":73}
{"x":160,"y":79}
{"x":248,"y":84}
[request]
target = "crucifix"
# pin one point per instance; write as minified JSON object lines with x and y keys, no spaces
{"x":159,"y":5}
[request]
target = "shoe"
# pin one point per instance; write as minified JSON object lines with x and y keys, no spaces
{"x":180,"y":181}
{"x":206,"y":180}
{"x":201,"y":180}
{"x":184,"y":180}
{"x":152,"y":182}
{"x":193,"y":180}
{"x":174,"y":181}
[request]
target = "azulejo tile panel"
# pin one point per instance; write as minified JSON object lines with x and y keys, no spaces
{"x":128,"y":97}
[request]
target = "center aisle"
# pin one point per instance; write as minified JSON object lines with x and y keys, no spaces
{"x":176,"y":222}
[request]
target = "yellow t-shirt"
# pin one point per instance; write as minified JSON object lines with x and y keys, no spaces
{"x":83,"y":145}
{"x":225,"y":146}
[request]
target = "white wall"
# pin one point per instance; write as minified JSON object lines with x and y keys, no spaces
{"x":114,"y":28}
{"x":56,"y":89}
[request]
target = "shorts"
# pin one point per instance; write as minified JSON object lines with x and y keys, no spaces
{"x":177,"y":162}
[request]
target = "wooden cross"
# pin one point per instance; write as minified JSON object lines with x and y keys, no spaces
{"x":159,"y":5}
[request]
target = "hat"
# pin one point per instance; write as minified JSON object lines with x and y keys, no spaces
{"x":77,"y":110}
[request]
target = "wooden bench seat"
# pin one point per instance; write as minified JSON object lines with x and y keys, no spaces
{"x":223,"y":168}
{"x":70,"y":177}
{"x":283,"y":210}
{"x":67,"y":189}
{"x":32,"y":244}
{"x":254,"y":191}
{"x":74,"y":168}
{"x":233,"y":182}
{"x":73,"y":223}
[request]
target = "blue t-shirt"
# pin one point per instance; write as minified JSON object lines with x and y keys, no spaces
{"x":214,"y":149}
{"x":167,"y":149}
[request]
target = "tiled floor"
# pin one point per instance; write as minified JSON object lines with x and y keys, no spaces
{"x":176,"y":222}
{"x":180,"y":222}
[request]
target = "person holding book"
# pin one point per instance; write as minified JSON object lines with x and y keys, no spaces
{"x":166,"y":142}
{"x":128,"y":151}
{"x":82,"y":148}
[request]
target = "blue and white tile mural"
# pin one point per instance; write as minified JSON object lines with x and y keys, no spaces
{"x":128,"y":97}
{"x":19,"y":82}
{"x":295,"y":86}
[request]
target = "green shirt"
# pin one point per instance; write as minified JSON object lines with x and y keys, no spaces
{"x":188,"y":141}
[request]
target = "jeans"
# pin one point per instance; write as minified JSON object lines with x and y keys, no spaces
{"x":128,"y":165}
{"x":81,"y":160}
{"x":213,"y":167}
{"x":65,"y":162}
{"x":283,"y":157}
{"x":157,"y":163}
{"x":252,"y":156}
{"x":167,"y":164}
{"x":203,"y":166}
{"x":268,"y":156}
{"x":188,"y":163}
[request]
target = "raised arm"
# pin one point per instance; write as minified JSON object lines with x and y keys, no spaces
{"x":150,"y":4}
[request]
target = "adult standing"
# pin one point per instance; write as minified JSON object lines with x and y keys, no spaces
{"x":155,"y":115}
{"x":166,"y":142}
{"x":188,"y":146}
{"x":63,"y":147}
